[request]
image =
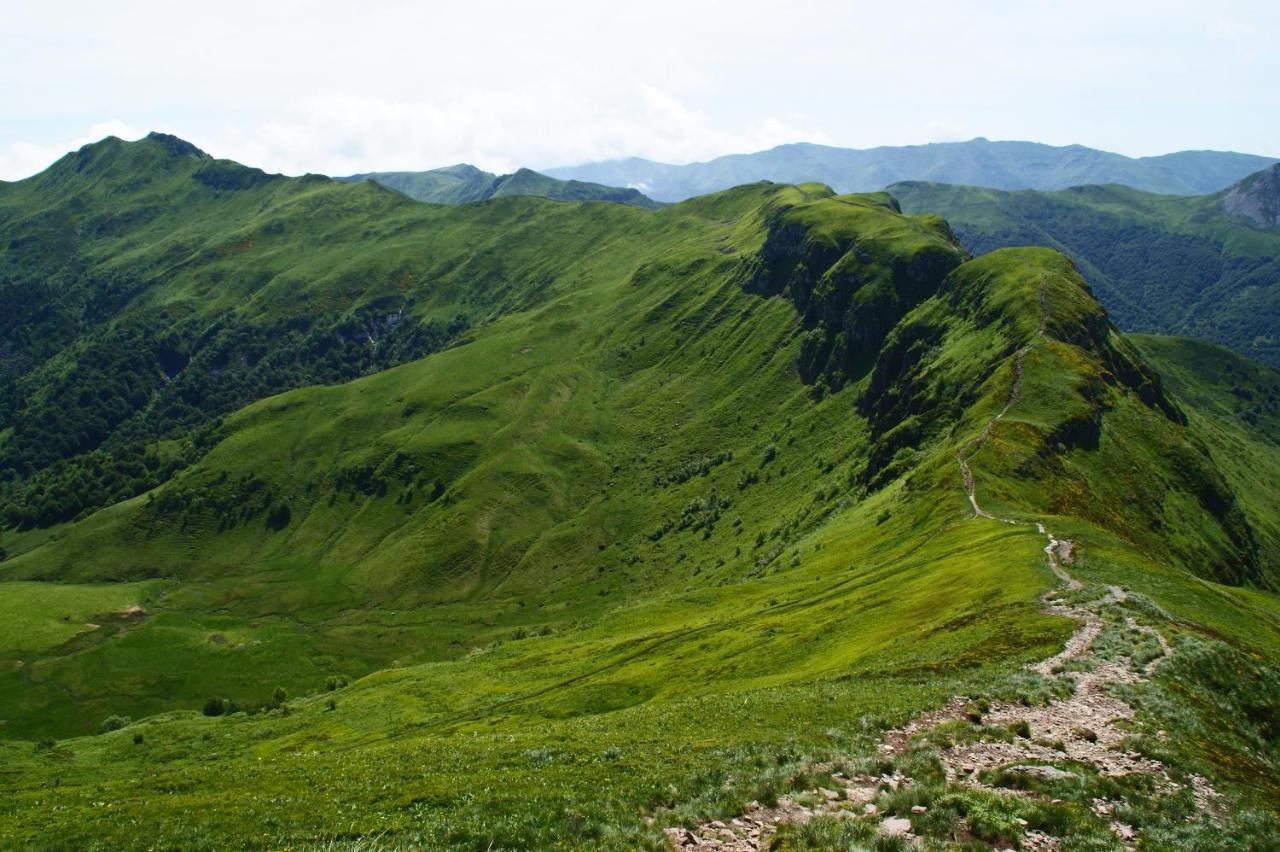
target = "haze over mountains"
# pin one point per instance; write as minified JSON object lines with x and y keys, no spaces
{"x":332,"y":518}
{"x":978,"y":162}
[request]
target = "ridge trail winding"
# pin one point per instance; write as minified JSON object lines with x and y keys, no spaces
{"x":1086,"y":727}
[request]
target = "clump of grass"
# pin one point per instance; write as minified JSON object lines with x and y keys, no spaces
{"x":1029,"y":688}
{"x":825,"y":832}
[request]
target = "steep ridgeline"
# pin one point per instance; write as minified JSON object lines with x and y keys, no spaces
{"x":146,"y":289}
{"x":464,"y":184}
{"x":1206,"y":266}
{"x":1095,"y":419}
{"x":852,"y":272}
{"x":677,"y":519}
{"x":977,"y":162}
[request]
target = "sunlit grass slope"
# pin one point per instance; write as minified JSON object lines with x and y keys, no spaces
{"x":612,"y":553}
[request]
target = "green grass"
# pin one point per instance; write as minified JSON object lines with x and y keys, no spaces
{"x":558,"y":617}
{"x":40,"y":616}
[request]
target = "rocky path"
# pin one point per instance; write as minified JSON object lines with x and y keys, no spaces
{"x":1088,"y":727}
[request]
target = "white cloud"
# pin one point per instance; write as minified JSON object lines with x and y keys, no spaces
{"x":334,"y":86}
{"x":344,"y":133}
{"x":20,"y":159}
{"x":496,"y":130}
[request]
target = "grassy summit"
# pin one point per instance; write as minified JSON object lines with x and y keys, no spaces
{"x":1205,"y":266}
{"x":674,"y":513}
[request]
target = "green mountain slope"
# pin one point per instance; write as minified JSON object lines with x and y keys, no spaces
{"x":150,"y":289}
{"x":1255,"y":198}
{"x":1160,"y":264}
{"x":977,"y":162}
{"x":462,"y":184}
{"x":676,"y":521}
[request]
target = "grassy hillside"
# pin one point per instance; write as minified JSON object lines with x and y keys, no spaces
{"x":462,"y":184}
{"x":677,"y":517}
{"x":977,"y":162}
{"x":1160,"y":264}
{"x":150,"y":289}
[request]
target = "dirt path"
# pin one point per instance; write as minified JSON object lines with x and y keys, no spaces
{"x":1088,"y":727}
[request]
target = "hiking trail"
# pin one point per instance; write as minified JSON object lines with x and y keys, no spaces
{"x":1088,"y":726}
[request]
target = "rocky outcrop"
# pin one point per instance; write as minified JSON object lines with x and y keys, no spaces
{"x":850,"y":286}
{"x":1256,"y":198}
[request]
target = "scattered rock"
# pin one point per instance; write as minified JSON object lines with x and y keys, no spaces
{"x":1045,"y":773}
{"x":899,"y":826}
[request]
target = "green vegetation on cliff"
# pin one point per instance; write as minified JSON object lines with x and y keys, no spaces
{"x":673,"y":514}
{"x":1161,"y":264}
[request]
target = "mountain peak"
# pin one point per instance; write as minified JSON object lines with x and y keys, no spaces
{"x":112,"y":153}
{"x":1256,"y":198}
{"x":173,"y":145}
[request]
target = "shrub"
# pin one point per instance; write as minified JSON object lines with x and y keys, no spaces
{"x":114,"y":723}
{"x":215,"y":706}
{"x":279,"y":696}
{"x":279,"y":515}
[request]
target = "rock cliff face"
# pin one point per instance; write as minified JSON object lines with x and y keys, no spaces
{"x":922,"y":376}
{"x":1256,"y":198}
{"x":849,"y":291}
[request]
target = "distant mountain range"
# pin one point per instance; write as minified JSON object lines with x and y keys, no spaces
{"x":1206,"y":266}
{"x":463,"y":183}
{"x":978,"y":162}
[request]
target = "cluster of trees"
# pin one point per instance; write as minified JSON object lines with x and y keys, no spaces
{"x":690,"y":469}
{"x":375,"y":479}
{"x":82,"y":426}
{"x":701,"y":513}
{"x":228,"y":501}
{"x":68,"y":411}
{"x":71,"y":488}
{"x":217,"y":706}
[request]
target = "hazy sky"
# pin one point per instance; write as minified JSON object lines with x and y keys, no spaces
{"x":343,"y":87}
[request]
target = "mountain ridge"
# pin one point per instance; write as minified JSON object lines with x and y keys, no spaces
{"x":979,"y":162}
{"x":677,"y":519}
{"x":464,"y":183}
{"x":1191,"y":265}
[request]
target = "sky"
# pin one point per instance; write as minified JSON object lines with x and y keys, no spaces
{"x":345,"y":87}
